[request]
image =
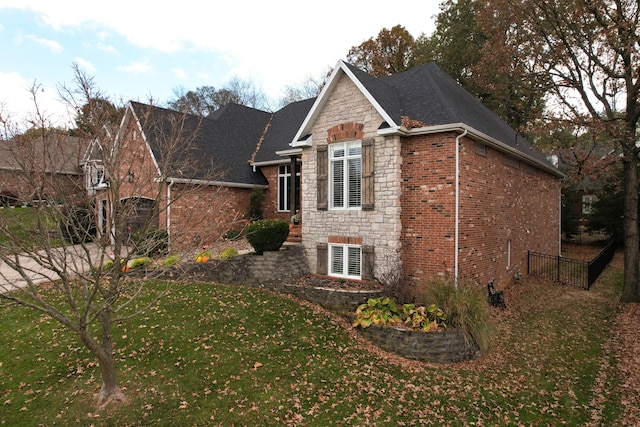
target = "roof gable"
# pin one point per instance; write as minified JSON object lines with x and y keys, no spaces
{"x":222,"y":143}
{"x":427,"y":95}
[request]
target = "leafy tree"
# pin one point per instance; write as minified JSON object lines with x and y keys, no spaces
{"x":89,"y":290}
{"x":389,"y":53}
{"x":204,"y":100}
{"x":98,"y":110}
{"x":458,"y":46}
{"x":607,"y":211}
{"x":585,"y":56}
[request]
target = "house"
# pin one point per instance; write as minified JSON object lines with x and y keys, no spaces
{"x":40,"y":168}
{"x":183,"y":173}
{"x":409,"y":175}
{"x":403,"y":178}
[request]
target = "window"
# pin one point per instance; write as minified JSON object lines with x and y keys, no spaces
{"x":96,"y":176}
{"x":587,"y":204}
{"x":344,"y":261}
{"x":284,"y":187}
{"x":345,"y":175}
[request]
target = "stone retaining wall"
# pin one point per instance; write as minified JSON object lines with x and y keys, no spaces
{"x":438,"y":347}
{"x":278,"y":271}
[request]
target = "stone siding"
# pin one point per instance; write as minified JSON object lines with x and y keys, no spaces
{"x":380,"y":227}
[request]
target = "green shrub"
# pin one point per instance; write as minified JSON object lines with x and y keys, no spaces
{"x":171,"y":260}
{"x":378,"y":311}
{"x":140,"y":262}
{"x":384,"y":310}
{"x":228,"y":253}
{"x":426,"y":318}
{"x":255,"y":204}
{"x":151,"y":242}
{"x":232,"y":235}
{"x":465,"y":307}
{"x":77,"y":224}
{"x":267,"y":234}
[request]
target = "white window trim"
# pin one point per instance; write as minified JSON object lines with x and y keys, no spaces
{"x":345,"y":146}
{"x":286,"y":192}
{"x":345,"y":261}
{"x":92,"y":177}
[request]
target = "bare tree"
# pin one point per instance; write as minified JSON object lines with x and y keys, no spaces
{"x":90,"y":290}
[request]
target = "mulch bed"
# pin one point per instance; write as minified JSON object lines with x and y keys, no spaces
{"x":319,"y":281}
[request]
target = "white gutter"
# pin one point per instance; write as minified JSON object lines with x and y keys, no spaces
{"x":217,"y":183}
{"x":169,"y":212}
{"x":476,"y":134}
{"x":285,"y":154}
{"x":457,"y":214}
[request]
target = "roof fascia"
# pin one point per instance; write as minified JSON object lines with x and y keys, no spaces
{"x":305,"y":128}
{"x":188,"y":181}
{"x":474,"y":134}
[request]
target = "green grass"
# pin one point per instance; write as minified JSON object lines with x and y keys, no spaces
{"x":23,"y":224}
{"x":219,"y":355}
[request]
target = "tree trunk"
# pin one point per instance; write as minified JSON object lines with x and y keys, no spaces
{"x":109,"y":392}
{"x":630,"y":291}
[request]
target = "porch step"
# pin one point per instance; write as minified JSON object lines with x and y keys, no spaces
{"x":295,"y":234}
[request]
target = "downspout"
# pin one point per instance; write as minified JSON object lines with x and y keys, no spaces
{"x":169,"y":211}
{"x":457,"y":213}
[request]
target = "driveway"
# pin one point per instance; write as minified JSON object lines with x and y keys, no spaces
{"x":73,"y":258}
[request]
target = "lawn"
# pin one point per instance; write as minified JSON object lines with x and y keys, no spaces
{"x":221,"y":355}
{"x":22,"y":224}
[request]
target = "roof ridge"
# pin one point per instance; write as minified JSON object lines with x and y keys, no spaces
{"x":261,"y":140}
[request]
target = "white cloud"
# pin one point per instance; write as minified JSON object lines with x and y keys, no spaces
{"x":180,"y":73}
{"x":52,"y":45}
{"x":85,"y":65}
{"x":108,"y":48}
{"x":136,"y":67}
{"x":17,"y":100}
{"x":257,"y":41}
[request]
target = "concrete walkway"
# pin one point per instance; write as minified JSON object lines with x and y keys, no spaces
{"x":75,"y":259}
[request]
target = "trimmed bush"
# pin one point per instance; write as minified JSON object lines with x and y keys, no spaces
{"x":171,"y":260}
{"x":267,"y":234}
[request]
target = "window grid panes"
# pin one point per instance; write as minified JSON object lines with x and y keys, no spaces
{"x":345,"y":261}
{"x":284,"y":180}
{"x":345,"y":173}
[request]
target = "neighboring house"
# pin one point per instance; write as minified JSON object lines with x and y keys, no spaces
{"x":196,"y":168}
{"x":405,"y":177}
{"x":40,"y":169}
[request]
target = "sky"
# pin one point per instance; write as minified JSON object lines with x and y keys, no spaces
{"x":141,"y":50}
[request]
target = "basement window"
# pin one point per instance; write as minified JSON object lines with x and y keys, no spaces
{"x":345,"y":261}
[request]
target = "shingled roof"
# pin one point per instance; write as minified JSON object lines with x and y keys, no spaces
{"x":426,"y":94}
{"x":283,"y":127}
{"x":59,"y":154}
{"x":223,"y":142}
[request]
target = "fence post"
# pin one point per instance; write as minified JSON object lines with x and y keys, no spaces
{"x":558,"y":269}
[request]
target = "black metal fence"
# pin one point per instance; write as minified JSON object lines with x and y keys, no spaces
{"x":569,"y":271}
